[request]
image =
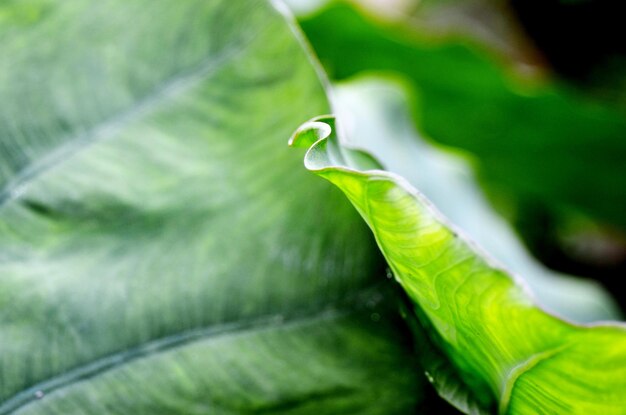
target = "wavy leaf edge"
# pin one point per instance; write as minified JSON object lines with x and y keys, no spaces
{"x":327,"y":154}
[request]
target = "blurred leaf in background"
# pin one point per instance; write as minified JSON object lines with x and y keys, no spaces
{"x":541,"y":147}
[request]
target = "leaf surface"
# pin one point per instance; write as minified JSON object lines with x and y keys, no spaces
{"x":376,"y":117}
{"x":160,"y":250}
{"x":510,"y":353}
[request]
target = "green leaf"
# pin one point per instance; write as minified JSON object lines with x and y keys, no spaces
{"x":507,"y":350}
{"x":161,"y":251}
{"x":376,"y":117}
{"x":532,"y":143}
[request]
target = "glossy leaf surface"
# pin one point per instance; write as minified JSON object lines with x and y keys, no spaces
{"x":510,"y":353}
{"x":375,"y":115}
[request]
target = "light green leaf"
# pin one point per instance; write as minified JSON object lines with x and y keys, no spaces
{"x":507,"y":350}
{"x":161,"y":251}
{"x":376,"y":117}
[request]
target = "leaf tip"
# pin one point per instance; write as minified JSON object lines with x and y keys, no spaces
{"x":312,"y":131}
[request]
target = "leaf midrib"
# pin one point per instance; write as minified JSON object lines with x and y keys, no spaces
{"x":172,"y":87}
{"x":522,"y":368}
{"x":233,"y":328}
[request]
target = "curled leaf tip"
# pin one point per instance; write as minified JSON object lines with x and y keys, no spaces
{"x":326,"y":150}
{"x":312,"y":131}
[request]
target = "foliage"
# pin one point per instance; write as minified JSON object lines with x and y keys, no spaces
{"x":532,"y":141}
{"x":509,"y":352}
{"x":162,"y":250}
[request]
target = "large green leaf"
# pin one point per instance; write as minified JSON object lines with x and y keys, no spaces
{"x":161,"y":251}
{"x":533,"y":143}
{"x":507,"y":350}
{"x":376,"y":117}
